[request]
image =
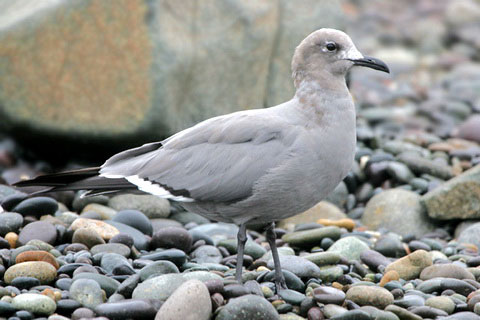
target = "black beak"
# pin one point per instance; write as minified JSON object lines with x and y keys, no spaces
{"x":373,"y":63}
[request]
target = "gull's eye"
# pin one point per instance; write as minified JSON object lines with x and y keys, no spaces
{"x":331,"y":46}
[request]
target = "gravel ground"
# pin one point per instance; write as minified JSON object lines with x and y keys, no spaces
{"x":398,"y":239}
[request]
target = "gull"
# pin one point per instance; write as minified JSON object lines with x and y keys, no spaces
{"x":254,"y":166}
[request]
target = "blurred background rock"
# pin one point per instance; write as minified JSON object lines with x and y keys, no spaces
{"x":99,"y":76}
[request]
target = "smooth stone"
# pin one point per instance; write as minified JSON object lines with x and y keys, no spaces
{"x":330,"y":273}
{"x":106,"y":213}
{"x":110,"y":261}
{"x":87,"y":292}
{"x":374,"y":259}
{"x":6,"y":308}
{"x":370,"y":295}
{"x":109,"y":285}
{"x":10,"y":222}
{"x":252,"y":248}
{"x":159,"y":223}
{"x":63,"y":283}
{"x":152,"y":206}
{"x":419,"y":164}
{"x":428,"y":312}
{"x":128,"y":285}
{"x":172,"y":237}
{"x":465,"y":315}
{"x":184,"y":217}
{"x":410,"y":266}
{"x":390,"y":245}
{"x":445,"y":271}
{"x":356,"y":314}
{"x":206,"y":254}
{"x":394,"y":209}
{"x":179,"y":305}
{"x":282,"y":251}
{"x":248,"y":307}
{"x":39,"y":255}
{"x":122,"y":238}
{"x":322,"y":210}
{"x":441,"y":302}
{"x":105,"y":230}
{"x":440,"y":284}
{"x":117,"y":248}
{"x":402,"y":313}
{"x":174,"y":255}
{"x":38,"y":230}
{"x":217,"y":231}
{"x":38,"y":206}
{"x":140,"y":241}
{"x":410,"y":301}
{"x":332,"y":310}
{"x":291,"y":296}
{"x":135,"y":219}
{"x":455,"y":199}
{"x":25,"y":282}
{"x":349,"y":247}
{"x":43,"y":271}
{"x":162,"y":287}
{"x":323,"y":258}
{"x":311,"y":237}
{"x":301,"y":267}
{"x":293,"y":282}
{"x":379,"y":314}
{"x":471,"y":235}
{"x":34,"y":303}
{"x":328,"y":295}
{"x":157,"y":268}
{"x":67,"y":306}
{"x":126,"y":309}
{"x":88,"y":237}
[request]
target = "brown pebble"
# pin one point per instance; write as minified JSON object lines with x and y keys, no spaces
{"x":315,"y":313}
{"x":389,"y":276}
{"x":346,"y":223}
{"x":49,"y":293}
{"x":12,"y":239}
{"x":37,"y":256}
{"x":217,"y":300}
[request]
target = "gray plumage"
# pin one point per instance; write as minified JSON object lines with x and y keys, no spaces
{"x":254,"y":166}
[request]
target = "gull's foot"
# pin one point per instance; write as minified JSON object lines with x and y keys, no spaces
{"x":280,"y":284}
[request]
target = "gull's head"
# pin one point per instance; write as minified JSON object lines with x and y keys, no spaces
{"x":329,"y":51}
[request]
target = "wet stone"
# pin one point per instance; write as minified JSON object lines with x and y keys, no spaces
{"x":206,"y":254}
{"x":37,"y":206}
{"x":10,"y":222}
{"x":349,"y":247}
{"x":370,"y":295}
{"x":312,"y":237}
{"x":291,"y":296}
{"x":445,"y":271}
{"x":34,"y":303}
{"x":135,"y":219}
{"x":129,"y":308}
{"x":87,"y":292}
{"x":353,"y":315}
{"x":157,"y":268}
{"x":140,"y":241}
{"x":402,"y":313}
{"x":251,"y":248}
{"x":374,"y":259}
{"x":108,"y":284}
{"x":328,"y":295}
{"x":172,"y":237}
{"x":246,"y":308}
{"x":411,"y":266}
{"x":117,"y":248}
{"x":40,"y":270}
{"x":38,"y":230}
{"x":428,"y":312}
{"x":88,"y":237}
{"x":174,"y":255}
{"x":151,"y":206}
{"x":301,"y":267}
{"x":25,"y":282}
{"x":440,"y":284}
{"x":323,"y":258}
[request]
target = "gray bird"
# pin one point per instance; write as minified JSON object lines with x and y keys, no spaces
{"x":253,"y":166}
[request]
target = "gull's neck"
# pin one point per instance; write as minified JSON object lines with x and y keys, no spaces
{"x":323,"y":92}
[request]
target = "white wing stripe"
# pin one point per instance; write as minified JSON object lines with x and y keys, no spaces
{"x":155,"y":189}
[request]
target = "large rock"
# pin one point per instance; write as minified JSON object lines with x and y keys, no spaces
{"x":395,"y":210}
{"x":459,"y":198}
{"x":84,"y":70}
{"x":322,"y":210}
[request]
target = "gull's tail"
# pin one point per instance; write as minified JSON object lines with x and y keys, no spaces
{"x":82,"y":179}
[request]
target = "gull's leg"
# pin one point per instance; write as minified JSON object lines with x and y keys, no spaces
{"x":241,"y":240}
{"x":279,"y":278}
